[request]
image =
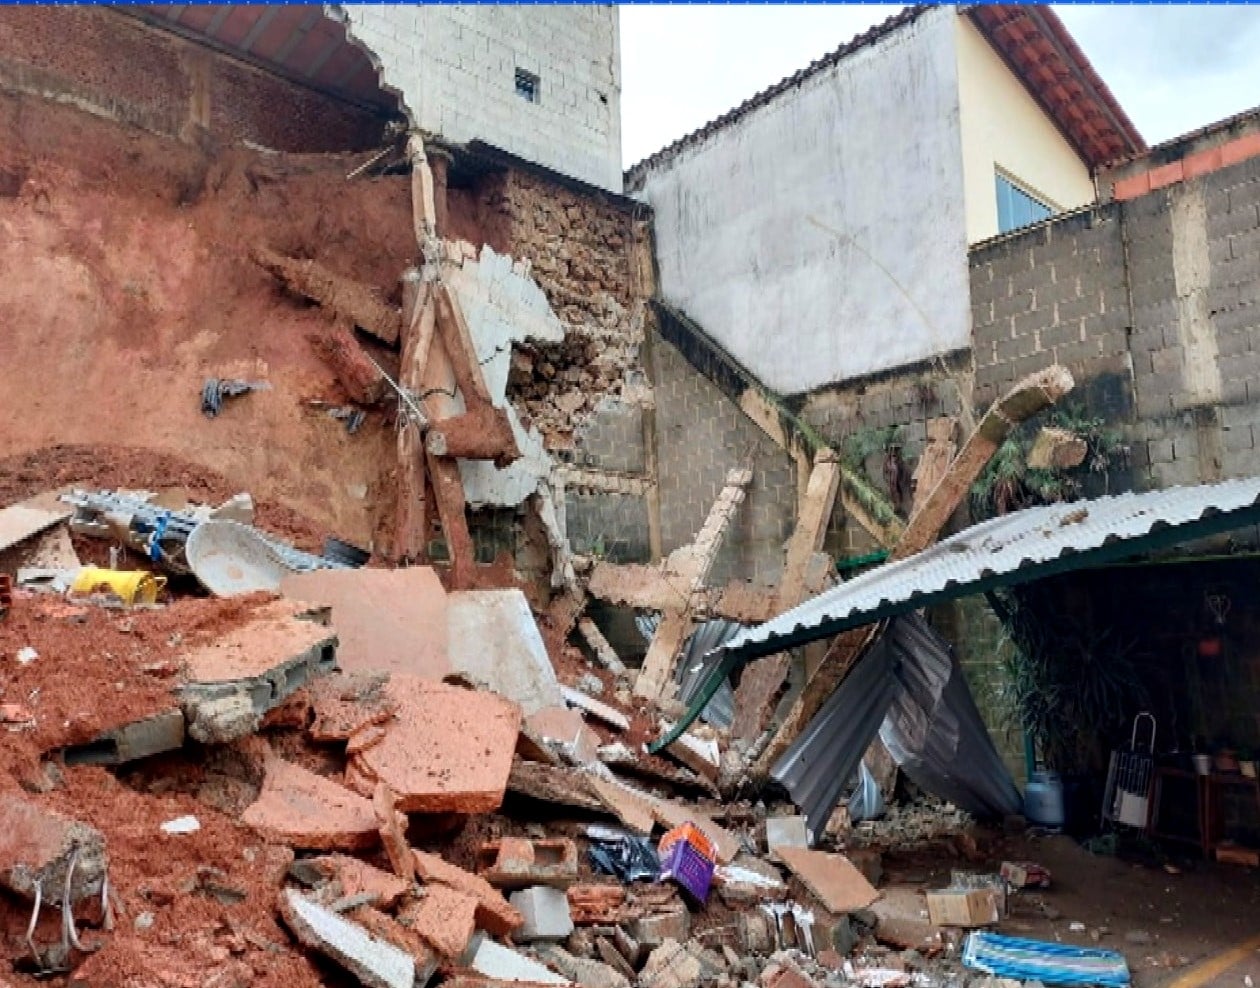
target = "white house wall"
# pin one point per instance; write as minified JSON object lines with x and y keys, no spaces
{"x":822,"y":236}
{"x":455,"y":68}
{"x":1004,"y":128}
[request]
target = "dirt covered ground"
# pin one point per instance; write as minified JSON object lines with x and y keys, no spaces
{"x":128,"y":283}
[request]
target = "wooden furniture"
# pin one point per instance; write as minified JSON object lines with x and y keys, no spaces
{"x":1209,"y":797}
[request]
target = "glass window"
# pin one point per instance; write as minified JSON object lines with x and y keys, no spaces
{"x":1016,"y":208}
{"x":527,"y":85}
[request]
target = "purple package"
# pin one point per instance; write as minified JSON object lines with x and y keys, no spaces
{"x":689,"y":868}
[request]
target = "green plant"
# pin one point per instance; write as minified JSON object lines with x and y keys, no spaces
{"x":860,"y":445}
{"x":1072,"y":686}
{"x":1008,"y":483}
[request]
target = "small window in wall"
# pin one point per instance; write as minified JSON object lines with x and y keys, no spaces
{"x":1017,"y":208}
{"x":527,"y":85}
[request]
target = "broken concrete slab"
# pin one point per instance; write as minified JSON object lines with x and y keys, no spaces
{"x":549,"y":784}
{"x":357,"y":877}
{"x":600,"y":711}
{"x":19,"y":522}
{"x":151,"y":736}
{"x":345,"y":703}
{"x":671,"y":965}
{"x":659,"y":928}
{"x":504,"y":964}
{"x":375,"y":962}
{"x":605,"y":654}
{"x":632,"y":807}
{"x":495,"y":640}
{"x":512,"y":862}
{"x":546,"y":912}
{"x":231,"y":682}
{"x":41,"y":846}
{"x":700,"y":754}
{"x":443,"y":918}
{"x":839,"y":886}
{"x":387,"y":620}
{"x":304,"y":810}
{"x":494,"y":913}
{"x":387,"y":928}
{"x":418,"y":761}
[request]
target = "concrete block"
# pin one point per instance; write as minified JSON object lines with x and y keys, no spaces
{"x":495,"y":640}
{"x":546,"y":913}
{"x":304,"y":810}
{"x":786,"y":831}
{"x":376,"y":963}
{"x":37,"y":846}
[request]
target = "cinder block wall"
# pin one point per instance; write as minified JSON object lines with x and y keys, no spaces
{"x":1157,"y":298}
{"x":117,"y":67}
{"x":456,"y":65}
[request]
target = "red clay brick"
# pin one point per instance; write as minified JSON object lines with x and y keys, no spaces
{"x":356,"y":877}
{"x":494,"y":913}
{"x":1166,"y":174}
{"x":1201,"y":164}
{"x":443,"y":918}
{"x":305,"y":810}
{"x":449,"y":750}
{"x":1240,"y":150}
{"x":1132,"y":187}
{"x":589,"y":904}
{"x":347,"y":703}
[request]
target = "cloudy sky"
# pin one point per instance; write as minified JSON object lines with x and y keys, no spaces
{"x":1172,"y":68}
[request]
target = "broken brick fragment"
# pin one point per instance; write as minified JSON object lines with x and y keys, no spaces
{"x":305,"y":810}
{"x":513,"y":862}
{"x":494,"y":913}
{"x":596,"y":904}
{"x":358,"y":877}
{"x":392,"y":827}
{"x":443,"y":918}
{"x":448,"y":750}
{"x":375,"y":961}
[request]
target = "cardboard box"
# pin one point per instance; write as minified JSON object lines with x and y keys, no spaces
{"x":967,"y":908}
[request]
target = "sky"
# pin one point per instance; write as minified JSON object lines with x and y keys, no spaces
{"x":1173,"y":68}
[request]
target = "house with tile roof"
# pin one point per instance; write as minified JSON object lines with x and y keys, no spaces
{"x":819,"y":231}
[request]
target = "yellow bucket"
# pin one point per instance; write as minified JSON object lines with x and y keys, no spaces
{"x":133,"y":586}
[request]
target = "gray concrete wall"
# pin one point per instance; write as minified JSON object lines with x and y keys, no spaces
{"x":455,"y":68}
{"x":821,"y":236}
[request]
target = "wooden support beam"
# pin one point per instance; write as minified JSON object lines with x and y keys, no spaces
{"x":1028,"y":397}
{"x":482,"y":433}
{"x":448,"y":491}
{"x":458,"y":341}
{"x":691,"y":565}
{"x":345,"y":297}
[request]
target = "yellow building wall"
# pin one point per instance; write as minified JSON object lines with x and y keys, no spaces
{"x":1004,"y":129}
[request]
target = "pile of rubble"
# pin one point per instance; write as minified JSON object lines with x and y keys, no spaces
{"x":366,"y":773}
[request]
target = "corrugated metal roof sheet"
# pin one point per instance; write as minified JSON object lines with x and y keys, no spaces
{"x":1012,"y":549}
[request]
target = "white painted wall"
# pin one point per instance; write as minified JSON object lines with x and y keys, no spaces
{"x":823,"y":236}
{"x":1003,"y":127}
{"x":455,"y":67}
